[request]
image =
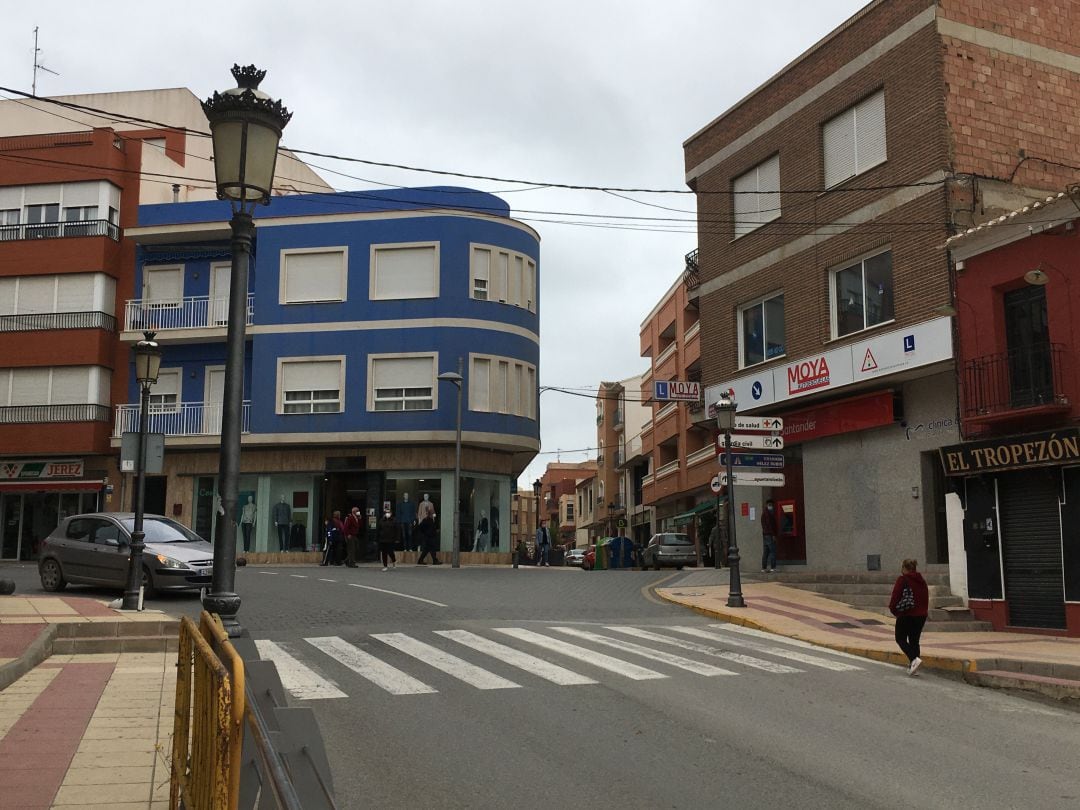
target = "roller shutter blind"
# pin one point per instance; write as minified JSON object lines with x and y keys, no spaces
{"x":316,"y":276}
{"x":321,"y":375}
{"x":70,"y":386}
{"x":36,"y":294}
{"x":405,"y":272}
{"x":480,"y":385}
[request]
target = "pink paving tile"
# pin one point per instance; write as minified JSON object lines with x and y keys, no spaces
{"x":15,"y":638}
{"x":817,"y":624}
{"x":88,"y":607}
{"x":43,"y":734}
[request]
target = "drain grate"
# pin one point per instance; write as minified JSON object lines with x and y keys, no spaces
{"x":842,"y":625}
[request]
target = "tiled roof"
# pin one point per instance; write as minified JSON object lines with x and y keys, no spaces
{"x":1027,"y":209}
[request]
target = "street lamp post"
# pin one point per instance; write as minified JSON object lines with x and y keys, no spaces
{"x":147,"y":364}
{"x":725,"y":421}
{"x":246,"y":127}
{"x":456,"y":379}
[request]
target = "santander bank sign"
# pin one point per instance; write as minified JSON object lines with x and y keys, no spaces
{"x":808,"y":375}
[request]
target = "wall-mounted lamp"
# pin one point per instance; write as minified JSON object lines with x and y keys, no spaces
{"x":1036,"y":277}
{"x":914,"y":492}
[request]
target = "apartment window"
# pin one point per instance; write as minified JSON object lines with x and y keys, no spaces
{"x":502,"y":275}
{"x":761,"y":331}
{"x":311,"y":385}
{"x":402,"y":383}
{"x":863,"y":294}
{"x":854,"y":141}
{"x":404,"y":271}
{"x":502,"y":385}
{"x":313,"y":276}
{"x":569,"y":511}
{"x":62,"y":385}
{"x":42,"y":213}
{"x":163,"y":286}
{"x":757,"y":196}
{"x":80,"y":213}
{"x":165,"y":393}
{"x":9,"y":216}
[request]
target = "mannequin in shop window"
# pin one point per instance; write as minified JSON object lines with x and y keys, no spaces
{"x":425,"y":509}
{"x":283,"y":521}
{"x":247,"y":521}
{"x":481,"y":532}
{"x":405,"y":517}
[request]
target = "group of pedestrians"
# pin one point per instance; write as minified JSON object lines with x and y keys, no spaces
{"x":342,"y":539}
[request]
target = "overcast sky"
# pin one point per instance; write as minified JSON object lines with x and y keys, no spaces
{"x":588,"y":92}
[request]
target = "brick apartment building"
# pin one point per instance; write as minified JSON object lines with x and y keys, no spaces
{"x":558,"y":494}
{"x":1015,"y":480}
{"x":678,"y":438}
{"x":825,"y":197}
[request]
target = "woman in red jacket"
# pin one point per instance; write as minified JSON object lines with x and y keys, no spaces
{"x":909,"y":603}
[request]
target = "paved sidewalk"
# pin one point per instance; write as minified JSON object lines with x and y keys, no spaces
{"x":1042,"y":663}
{"x":82,"y":730}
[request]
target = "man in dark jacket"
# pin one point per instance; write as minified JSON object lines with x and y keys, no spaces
{"x":768,"y":537}
{"x":352,"y":531}
{"x":910,"y":604}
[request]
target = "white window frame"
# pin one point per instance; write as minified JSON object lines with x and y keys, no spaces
{"x":162,"y":303}
{"x":517,"y":388}
{"x":759,"y":302}
{"x":157,"y":403}
{"x":503,"y":276}
{"x":319,"y":358}
{"x":759,"y":206}
{"x":862,"y":160}
{"x":373,"y":280}
{"x":373,"y":358}
{"x":331,"y":296}
{"x":834,"y":303}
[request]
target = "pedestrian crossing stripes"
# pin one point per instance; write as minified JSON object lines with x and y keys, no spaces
{"x":390,"y":661}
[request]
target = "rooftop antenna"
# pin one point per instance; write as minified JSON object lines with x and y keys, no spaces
{"x":37,"y":65}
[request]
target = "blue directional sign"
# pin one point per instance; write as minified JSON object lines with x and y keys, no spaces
{"x":760,"y":461}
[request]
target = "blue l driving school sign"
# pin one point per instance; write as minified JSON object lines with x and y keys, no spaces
{"x":676,"y":390}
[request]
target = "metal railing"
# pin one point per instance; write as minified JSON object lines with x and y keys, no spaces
{"x":186,"y":419}
{"x":60,"y":230}
{"x":34,"y":321}
{"x":192,"y":312}
{"x":1021,"y":378}
{"x":208,"y":720}
{"x":34,"y":414}
{"x":691,"y":277}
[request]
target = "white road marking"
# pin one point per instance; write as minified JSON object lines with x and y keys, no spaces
{"x":327,"y":580}
{"x":396,"y":593}
{"x":301,"y":681}
{"x":529,"y":663}
{"x":299,"y":576}
{"x":371,"y":668}
{"x":656,"y":655}
{"x":450,"y":664}
{"x":611,"y":664}
{"x":271,"y":573}
{"x":727,"y":655}
{"x":794,"y":642}
{"x":780,"y":652}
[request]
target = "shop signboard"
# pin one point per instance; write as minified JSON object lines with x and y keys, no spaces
{"x":38,"y":469}
{"x":668,"y":390}
{"x":751,"y":442}
{"x":1050,"y":448}
{"x":754,"y":479}
{"x":759,"y":461}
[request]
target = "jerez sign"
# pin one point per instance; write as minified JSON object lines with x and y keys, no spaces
{"x":1013,"y":453}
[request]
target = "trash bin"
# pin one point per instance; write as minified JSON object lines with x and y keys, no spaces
{"x":602,"y":554}
{"x":621,"y":554}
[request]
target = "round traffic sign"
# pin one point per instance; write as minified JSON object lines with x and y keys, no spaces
{"x":715,"y":484}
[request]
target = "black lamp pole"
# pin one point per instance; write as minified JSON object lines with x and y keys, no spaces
{"x":725,"y":421}
{"x":147,"y":363}
{"x":246,"y":126}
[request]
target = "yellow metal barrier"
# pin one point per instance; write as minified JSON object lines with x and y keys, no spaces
{"x":207,"y":730}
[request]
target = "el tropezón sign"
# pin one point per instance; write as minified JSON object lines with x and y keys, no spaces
{"x":1013,"y":453}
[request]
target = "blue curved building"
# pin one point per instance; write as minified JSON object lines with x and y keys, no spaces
{"x":357,"y":302}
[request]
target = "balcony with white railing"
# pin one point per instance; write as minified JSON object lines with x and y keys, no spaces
{"x":192,"y":312}
{"x":185,"y":419}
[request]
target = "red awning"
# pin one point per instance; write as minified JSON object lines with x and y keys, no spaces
{"x":51,"y":486}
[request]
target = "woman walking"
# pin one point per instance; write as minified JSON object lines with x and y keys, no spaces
{"x":388,"y":532}
{"x":909,"y":603}
{"x":426,"y":530}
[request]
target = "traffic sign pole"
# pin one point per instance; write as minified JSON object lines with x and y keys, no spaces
{"x":735,"y":597}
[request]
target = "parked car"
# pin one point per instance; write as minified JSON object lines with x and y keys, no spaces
{"x":588,"y":560}
{"x":575,"y":557}
{"x":669,"y":550}
{"x":94,"y":549}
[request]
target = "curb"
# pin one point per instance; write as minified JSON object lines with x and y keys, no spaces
{"x":38,"y":650}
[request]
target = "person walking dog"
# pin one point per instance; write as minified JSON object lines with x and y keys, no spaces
{"x":910,"y":603}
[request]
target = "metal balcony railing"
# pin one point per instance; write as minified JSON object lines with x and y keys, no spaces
{"x":1021,"y":378}
{"x":192,"y":312}
{"x":185,"y":419}
{"x":691,"y":278}
{"x":60,"y":230}
{"x":36,"y":414}
{"x":36,"y":321}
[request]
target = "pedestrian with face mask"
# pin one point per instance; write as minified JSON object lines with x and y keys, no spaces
{"x":768,"y":537}
{"x":388,"y":534}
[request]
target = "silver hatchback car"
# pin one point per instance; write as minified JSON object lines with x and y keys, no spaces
{"x":95,"y":549}
{"x":669,"y":549}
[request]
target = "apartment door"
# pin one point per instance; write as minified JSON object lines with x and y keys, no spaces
{"x":213,"y":396}
{"x":220,"y":279}
{"x":1027,"y":338}
{"x":163,"y":298}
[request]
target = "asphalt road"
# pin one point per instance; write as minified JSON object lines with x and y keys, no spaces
{"x":445,"y":712}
